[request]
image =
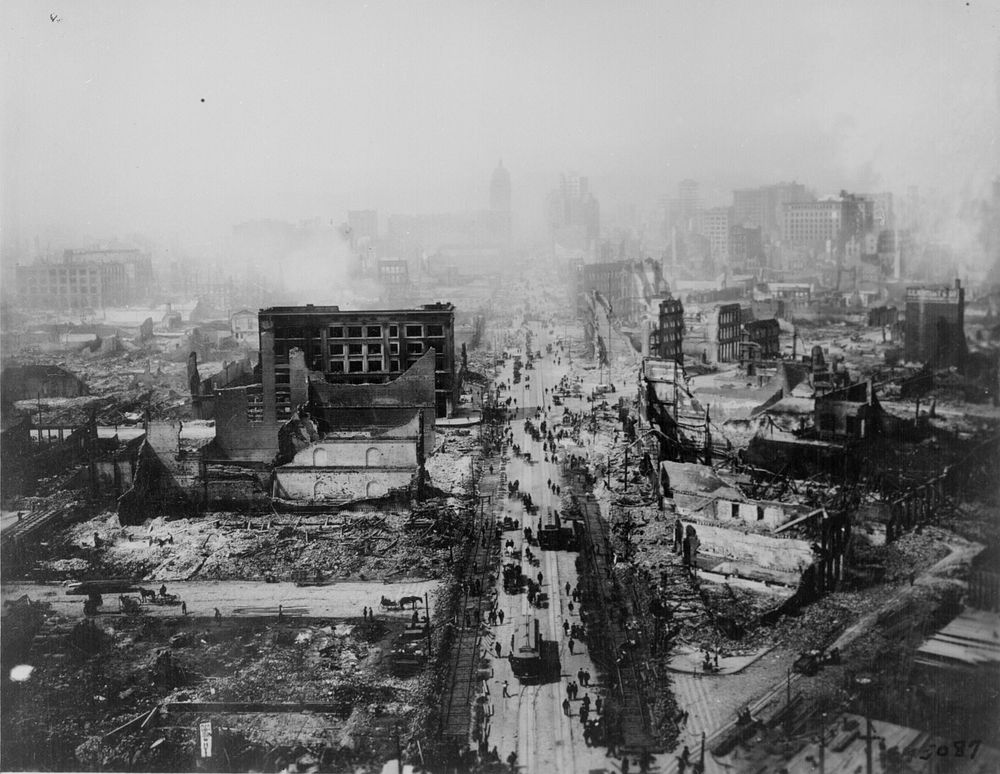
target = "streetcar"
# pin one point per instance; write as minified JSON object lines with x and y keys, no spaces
{"x":526,"y":660}
{"x":554,"y":535}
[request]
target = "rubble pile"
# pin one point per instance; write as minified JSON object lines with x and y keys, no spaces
{"x":450,"y":467}
{"x":228,"y":546}
{"x":77,"y":693}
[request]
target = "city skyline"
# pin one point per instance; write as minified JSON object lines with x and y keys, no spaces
{"x":311,"y":111}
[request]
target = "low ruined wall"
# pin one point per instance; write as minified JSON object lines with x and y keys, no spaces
{"x":367,"y":453}
{"x":238,"y":436}
{"x":772,"y":553}
{"x":338,"y":484}
{"x":767,"y":514}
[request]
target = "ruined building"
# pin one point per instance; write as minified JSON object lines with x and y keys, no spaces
{"x":668,"y":339}
{"x":356,"y":347}
{"x":761,"y":340}
{"x":935,"y":326}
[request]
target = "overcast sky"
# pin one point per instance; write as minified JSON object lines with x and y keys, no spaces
{"x":187,"y":117}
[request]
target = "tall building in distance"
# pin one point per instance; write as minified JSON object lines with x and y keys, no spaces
{"x":86,"y":279}
{"x":714,"y":225}
{"x":746,"y":248}
{"x":764,"y":206}
{"x":813,"y":223}
{"x":574,"y":214}
{"x":500,"y":196}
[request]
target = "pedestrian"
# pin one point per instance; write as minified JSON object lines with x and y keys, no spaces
{"x":598,"y":704}
{"x":685,"y":755}
{"x":581,"y":676}
{"x":492,"y":617}
{"x":566,"y":707}
{"x":512,"y":643}
{"x":184,"y":608}
{"x":506,"y":693}
{"x":566,"y":628}
{"x":512,"y":760}
{"x":500,"y":614}
{"x":567,"y":588}
{"x":163,"y":590}
{"x":571,"y":607}
{"x":539,"y":579}
{"x":584,"y":714}
{"x":218,"y":616}
{"x":281,"y":613}
{"x":498,"y":649}
{"x":571,"y":644}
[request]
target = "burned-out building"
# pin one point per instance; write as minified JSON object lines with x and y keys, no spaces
{"x":882,"y":316}
{"x":356,"y":347}
{"x":248,"y":426}
{"x":935,"y":325}
{"x":714,"y":334}
{"x":26,"y":382}
{"x":668,"y":339}
{"x":851,"y":413}
{"x":611,"y":279}
{"x":761,"y":341}
{"x":726,"y":319}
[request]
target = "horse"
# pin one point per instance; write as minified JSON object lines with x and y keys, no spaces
{"x":145,"y":594}
{"x":416,"y":601}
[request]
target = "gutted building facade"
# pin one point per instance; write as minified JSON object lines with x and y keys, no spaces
{"x":356,"y":347}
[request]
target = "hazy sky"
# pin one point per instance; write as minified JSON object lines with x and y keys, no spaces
{"x":186,"y":117}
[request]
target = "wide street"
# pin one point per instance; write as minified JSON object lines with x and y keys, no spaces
{"x":531,"y":719}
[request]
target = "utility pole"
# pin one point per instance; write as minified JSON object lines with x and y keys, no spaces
{"x":788,"y":700}
{"x":675,"y":392}
{"x":822,"y":745}
{"x":865,"y":684}
{"x":399,"y":753}
{"x":427,"y":609}
{"x":625,"y":482}
{"x":608,"y":312}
